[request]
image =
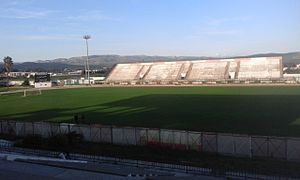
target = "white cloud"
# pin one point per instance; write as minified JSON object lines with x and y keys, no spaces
{"x":221,"y":32}
{"x":206,"y":33}
{"x":92,"y":15}
{"x":221,"y":21}
{"x":14,"y":13}
{"x":48,"y":37}
{"x":15,"y":3}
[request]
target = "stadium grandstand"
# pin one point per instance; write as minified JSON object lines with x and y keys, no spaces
{"x":239,"y":70}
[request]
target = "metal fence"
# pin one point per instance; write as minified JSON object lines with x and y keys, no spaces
{"x":284,"y":148}
{"x":227,"y":172}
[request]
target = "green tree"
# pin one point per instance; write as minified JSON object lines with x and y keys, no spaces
{"x":8,"y":63}
{"x":26,"y":83}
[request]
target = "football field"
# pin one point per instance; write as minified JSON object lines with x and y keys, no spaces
{"x":262,"y":110}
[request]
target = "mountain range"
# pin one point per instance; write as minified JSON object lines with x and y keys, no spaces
{"x":100,"y":61}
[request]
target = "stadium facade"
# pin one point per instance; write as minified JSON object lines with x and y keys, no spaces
{"x":238,"y":70}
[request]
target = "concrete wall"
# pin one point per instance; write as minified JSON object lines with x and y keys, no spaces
{"x":43,"y":84}
{"x":284,"y":148}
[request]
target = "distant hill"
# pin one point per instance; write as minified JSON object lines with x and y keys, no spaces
{"x":110,"y":60}
{"x":98,"y":61}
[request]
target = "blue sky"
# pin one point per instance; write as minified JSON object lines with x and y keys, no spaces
{"x":46,"y":29}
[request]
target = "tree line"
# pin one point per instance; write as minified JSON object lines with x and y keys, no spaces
{"x":8,"y":63}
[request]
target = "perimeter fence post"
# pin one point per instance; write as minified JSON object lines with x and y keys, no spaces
{"x":268,"y":147}
{"x":201,"y":141}
{"x":250,"y":146}
{"x":135,"y":138}
{"x":286,"y":148}
{"x":32,"y":125}
{"x":59,"y":128}
{"x":15,"y":131}
{"x":1,"y":127}
{"x":173,"y":139}
{"x":217,"y":144}
{"x":51,"y":130}
{"x":159,"y":136}
{"x":147,"y":136}
{"x":234,"y":145}
{"x":100,"y":138}
{"x":111,"y":135}
{"x":187,"y":140}
{"x":91,"y":133}
{"x":69,"y":128}
{"x":100,"y":131}
{"x":124,"y":139}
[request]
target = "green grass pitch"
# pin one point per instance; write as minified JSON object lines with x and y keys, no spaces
{"x":247,"y":110}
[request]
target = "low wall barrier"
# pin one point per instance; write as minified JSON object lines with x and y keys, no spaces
{"x":238,"y":145}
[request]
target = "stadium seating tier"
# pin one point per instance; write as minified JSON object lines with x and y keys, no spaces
{"x":240,"y":68}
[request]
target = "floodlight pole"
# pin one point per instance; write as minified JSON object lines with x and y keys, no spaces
{"x":87,"y":69}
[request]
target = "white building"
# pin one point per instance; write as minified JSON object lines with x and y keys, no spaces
{"x":42,"y":80}
{"x":19,"y":83}
{"x":82,"y":81}
{"x":21,"y":74}
{"x":43,"y":84}
{"x":294,"y":76}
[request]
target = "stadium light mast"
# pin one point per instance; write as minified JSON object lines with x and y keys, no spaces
{"x":87,"y":67}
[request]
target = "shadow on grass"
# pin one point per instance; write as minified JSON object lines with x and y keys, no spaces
{"x":259,"y":114}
